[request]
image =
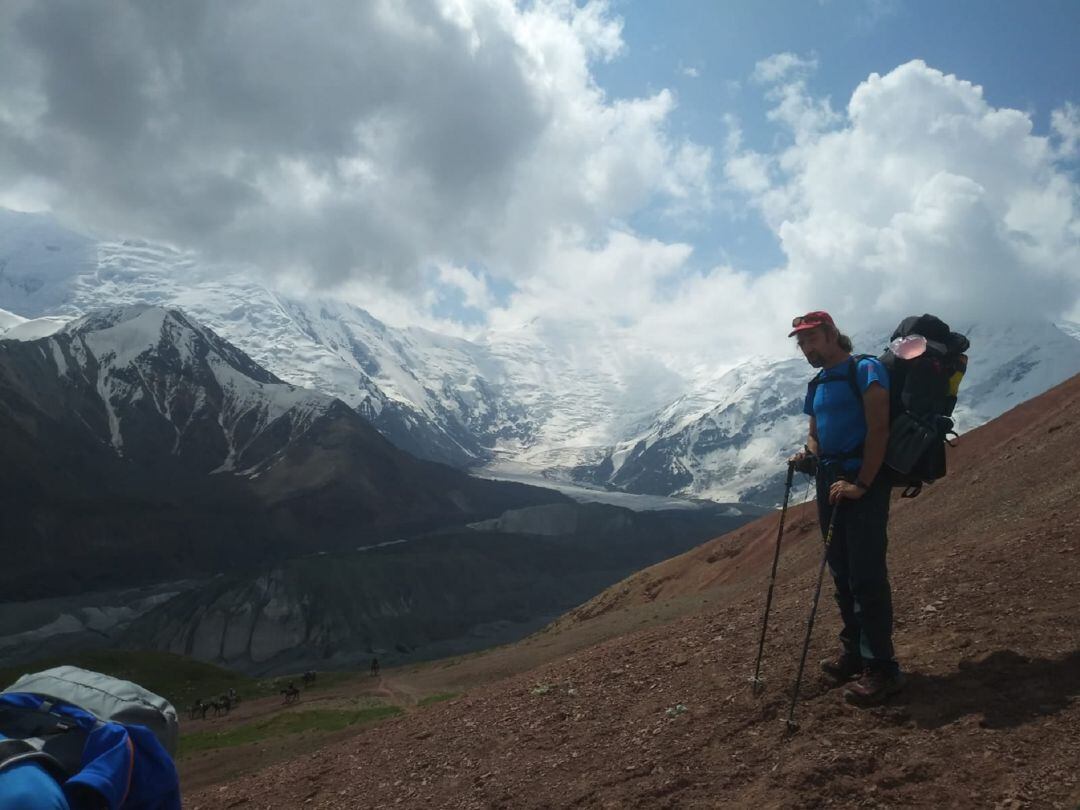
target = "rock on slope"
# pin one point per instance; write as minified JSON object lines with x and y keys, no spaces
{"x":987,"y":595}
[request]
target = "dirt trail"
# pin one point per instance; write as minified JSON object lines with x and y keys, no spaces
{"x":986,"y":578}
{"x":395,"y":691}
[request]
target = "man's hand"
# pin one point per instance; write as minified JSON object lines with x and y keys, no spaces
{"x":845,"y":489}
{"x":804,"y":461}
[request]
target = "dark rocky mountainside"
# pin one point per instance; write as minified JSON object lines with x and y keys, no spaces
{"x":986,"y":584}
{"x":440,"y":594}
{"x":138,"y":445}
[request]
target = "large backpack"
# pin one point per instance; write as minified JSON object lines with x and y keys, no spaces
{"x":922,"y":396}
{"x":96,"y":733}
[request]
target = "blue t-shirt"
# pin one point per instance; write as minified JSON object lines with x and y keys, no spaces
{"x":841,"y":421}
{"x":27,"y":786}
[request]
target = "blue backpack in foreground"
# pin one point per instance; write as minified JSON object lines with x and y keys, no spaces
{"x":109,"y":743}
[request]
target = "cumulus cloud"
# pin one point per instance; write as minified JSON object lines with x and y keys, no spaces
{"x":612,"y":282}
{"x":781,"y":66}
{"x":922,"y":197}
{"x":744,"y":169}
{"x":1065,"y":122}
{"x":472,"y":286}
{"x":786,"y":76}
{"x":917,"y":196}
{"x":340,"y":140}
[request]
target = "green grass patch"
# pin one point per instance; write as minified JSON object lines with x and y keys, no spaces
{"x":319,"y":720}
{"x":438,"y":698}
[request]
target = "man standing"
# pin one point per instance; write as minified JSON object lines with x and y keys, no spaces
{"x":848,"y":406}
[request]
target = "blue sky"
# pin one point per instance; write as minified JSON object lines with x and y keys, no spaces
{"x":1025,"y":55}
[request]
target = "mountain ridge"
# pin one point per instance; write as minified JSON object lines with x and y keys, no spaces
{"x":137,"y":422}
{"x":567,"y":403}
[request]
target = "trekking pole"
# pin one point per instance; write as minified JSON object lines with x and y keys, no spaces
{"x":756,"y":679}
{"x":791,"y":724}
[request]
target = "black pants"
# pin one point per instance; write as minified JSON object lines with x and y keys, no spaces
{"x":858,"y":566}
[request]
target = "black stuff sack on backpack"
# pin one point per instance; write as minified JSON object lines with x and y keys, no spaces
{"x":926,"y":362}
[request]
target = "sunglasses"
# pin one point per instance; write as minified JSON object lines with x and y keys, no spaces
{"x":799,"y":320}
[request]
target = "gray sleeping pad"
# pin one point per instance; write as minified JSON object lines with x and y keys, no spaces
{"x":107,"y":698}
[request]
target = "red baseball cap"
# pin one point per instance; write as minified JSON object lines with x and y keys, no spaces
{"x":811,"y":320}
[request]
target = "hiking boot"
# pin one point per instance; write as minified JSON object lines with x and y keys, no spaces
{"x":843,"y":667}
{"x":874,"y":687}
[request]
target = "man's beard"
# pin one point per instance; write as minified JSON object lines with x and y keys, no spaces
{"x":815,"y":359}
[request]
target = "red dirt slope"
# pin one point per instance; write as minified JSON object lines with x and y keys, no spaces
{"x":987,"y":594}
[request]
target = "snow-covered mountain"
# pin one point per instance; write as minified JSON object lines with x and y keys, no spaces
{"x":1011,"y":363}
{"x":169,"y":385}
{"x":582,"y":389}
{"x":542,"y":400}
{"x":729,"y":441}
{"x":718,"y":443}
{"x":139,"y":444}
{"x":48,"y":274}
{"x":15,"y":327}
{"x":530,"y":396}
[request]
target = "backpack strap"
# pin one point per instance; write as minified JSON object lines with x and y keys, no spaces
{"x":13,"y":751}
{"x":852,"y":376}
{"x":18,"y":752}
{"x":38,"y":735}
